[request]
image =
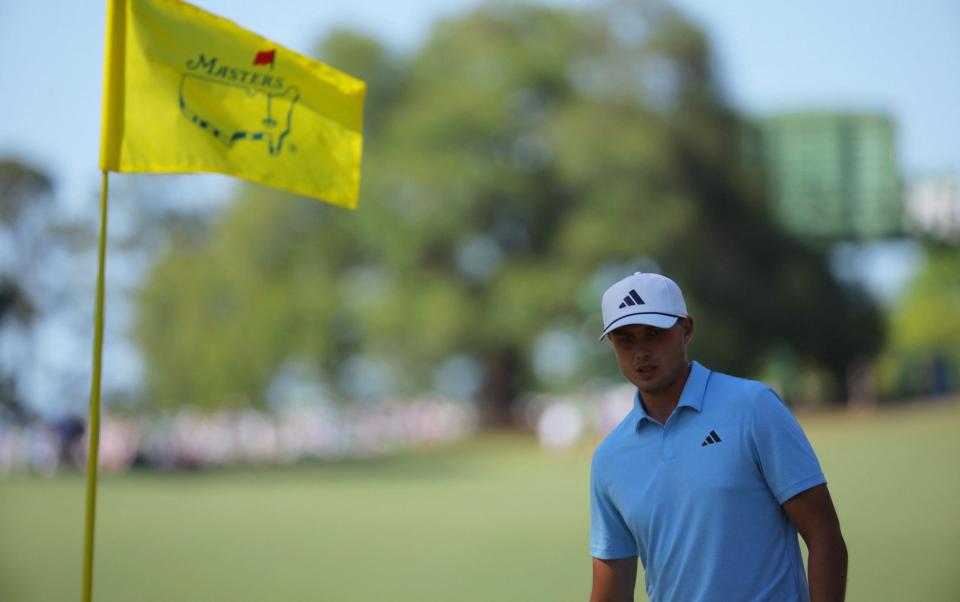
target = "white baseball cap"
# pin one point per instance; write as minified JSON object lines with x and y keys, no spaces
{"x":642,"y":298}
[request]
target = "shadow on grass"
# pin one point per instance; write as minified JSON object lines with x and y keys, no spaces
{"x":431,"y":463}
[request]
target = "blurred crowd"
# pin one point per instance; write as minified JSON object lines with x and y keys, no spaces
{"x":190,"y":439}
{"x":564,"y":421}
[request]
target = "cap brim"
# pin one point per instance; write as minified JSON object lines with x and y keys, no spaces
{"x":649,"y":319}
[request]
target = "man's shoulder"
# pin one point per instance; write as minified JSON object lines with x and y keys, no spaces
{"x":614,"y":440}
{"x":748,"y":393}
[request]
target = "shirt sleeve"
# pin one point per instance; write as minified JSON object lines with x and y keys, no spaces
{"x":609,"y":536}
{"x":784,"y":455}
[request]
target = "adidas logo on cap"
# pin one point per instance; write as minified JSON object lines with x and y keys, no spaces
{"x":642,"y":298}
{"x":631,"y":299}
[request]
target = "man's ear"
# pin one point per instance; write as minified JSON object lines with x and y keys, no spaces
{"x":687,"y":329}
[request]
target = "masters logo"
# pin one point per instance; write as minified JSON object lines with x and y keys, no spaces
{"x":235,"y":104}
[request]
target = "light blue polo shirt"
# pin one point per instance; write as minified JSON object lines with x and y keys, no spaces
{"x":698,"y":499}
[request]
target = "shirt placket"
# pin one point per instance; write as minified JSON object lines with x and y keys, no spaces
{"x":667,"y":437}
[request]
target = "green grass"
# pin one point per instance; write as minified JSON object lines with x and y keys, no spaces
{"x":492,"y":519}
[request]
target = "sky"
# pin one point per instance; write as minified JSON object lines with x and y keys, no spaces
{"x":894,"y":57}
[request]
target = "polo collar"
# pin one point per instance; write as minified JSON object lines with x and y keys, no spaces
{"x":691,"y":397}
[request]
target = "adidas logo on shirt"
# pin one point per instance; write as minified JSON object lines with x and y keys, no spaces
{"x":712,"y":438}
{"x":632,"y":299}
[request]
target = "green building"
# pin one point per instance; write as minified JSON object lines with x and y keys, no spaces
{"x":832,"y":176}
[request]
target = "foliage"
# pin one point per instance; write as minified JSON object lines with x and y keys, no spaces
{"x":516,"y":164}
{"x":25,"y":210}
{"x":923,"y":355}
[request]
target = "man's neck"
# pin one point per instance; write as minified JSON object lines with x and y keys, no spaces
{"x":660,"y":405}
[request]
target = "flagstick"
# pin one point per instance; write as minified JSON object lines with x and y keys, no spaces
{"x":93,"y":428}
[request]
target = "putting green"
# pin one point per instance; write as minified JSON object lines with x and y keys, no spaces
{"x":491,"y":519}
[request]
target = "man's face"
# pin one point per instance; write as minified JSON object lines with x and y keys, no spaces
{"x":652,"y":358}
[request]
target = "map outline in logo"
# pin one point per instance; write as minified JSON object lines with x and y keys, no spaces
{"x":194,"y":93}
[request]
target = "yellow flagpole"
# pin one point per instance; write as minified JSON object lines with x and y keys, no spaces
{"x":93,"y":427}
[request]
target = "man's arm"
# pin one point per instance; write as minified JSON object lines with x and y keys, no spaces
{"x":815,"y":518}
{"x":614,"y":580}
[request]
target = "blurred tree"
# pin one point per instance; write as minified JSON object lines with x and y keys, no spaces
{"x":518,"y":163}
{"x":25,"y":205}
{"x":923,"y":355}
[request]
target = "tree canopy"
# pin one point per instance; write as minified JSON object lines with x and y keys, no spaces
{"x":923,"y":355}
{"x":516,"y":164}
{"x":25,"y":209}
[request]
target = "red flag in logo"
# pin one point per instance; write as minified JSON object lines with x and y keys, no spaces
{"x":264,"y":57}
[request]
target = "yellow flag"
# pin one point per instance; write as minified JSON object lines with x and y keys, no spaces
{"x":188,"y":91}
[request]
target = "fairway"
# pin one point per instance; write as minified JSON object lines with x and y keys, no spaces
{"x":492,"y":519}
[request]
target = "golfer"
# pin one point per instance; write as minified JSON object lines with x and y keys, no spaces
{"x":708,"y":480}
